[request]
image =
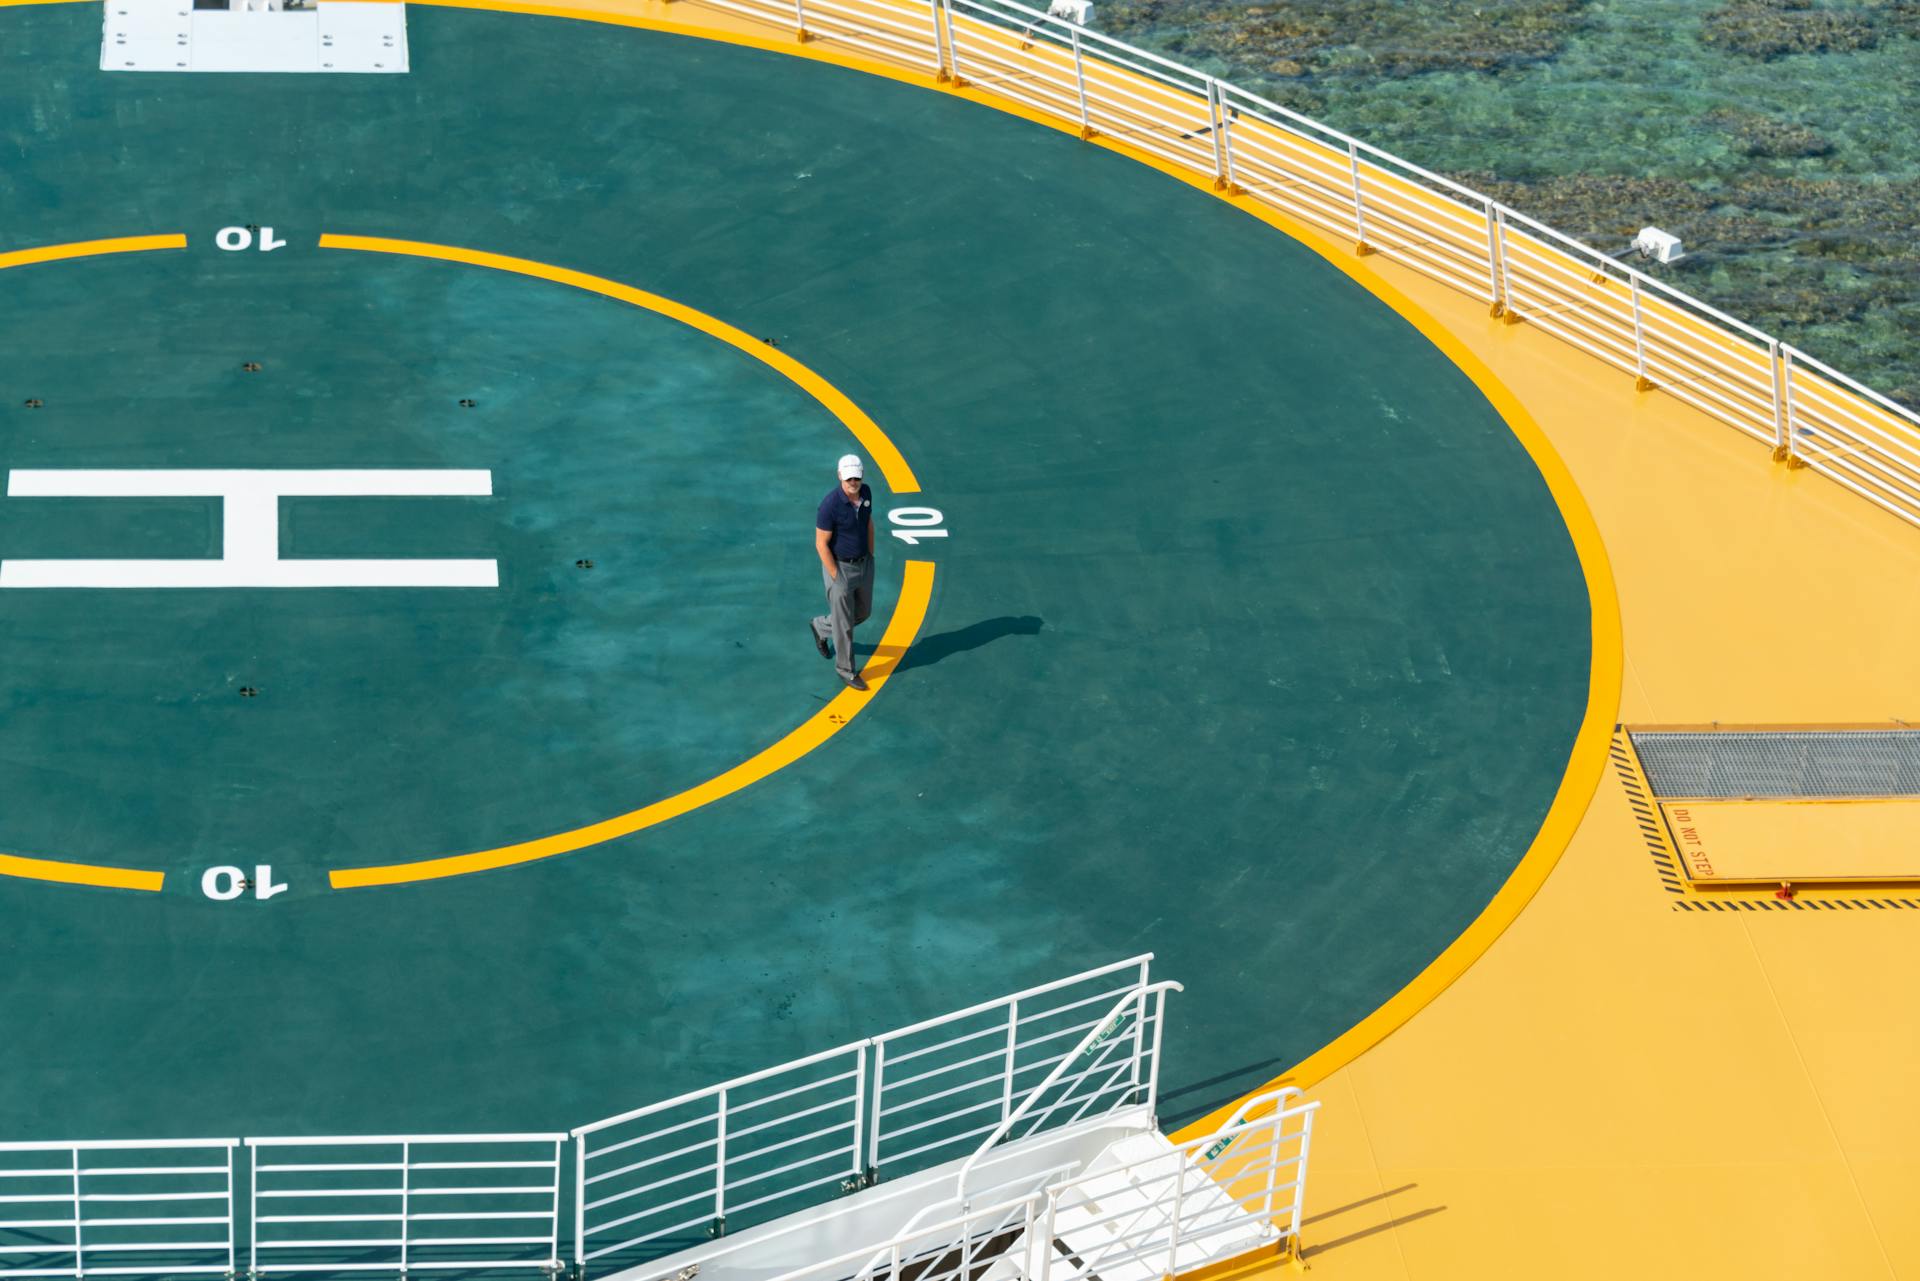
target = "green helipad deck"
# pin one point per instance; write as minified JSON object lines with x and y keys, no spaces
{"x":1254,"y":640}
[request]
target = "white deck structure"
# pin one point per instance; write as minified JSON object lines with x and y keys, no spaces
{"x":363,"y":36}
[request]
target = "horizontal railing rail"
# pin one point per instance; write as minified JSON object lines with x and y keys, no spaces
{"x":942,"y":1085}
{"x":467,"y":1203}
{"x":1116,"y":1062}
{"x":117,"y":1208}
{"x":672,"y":1174}
{"x":1808,"y":413}
{"x":647,"y":1182}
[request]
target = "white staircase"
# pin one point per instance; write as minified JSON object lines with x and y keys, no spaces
{"x":1073,"y":1182}
{"x":1142,"y":1210}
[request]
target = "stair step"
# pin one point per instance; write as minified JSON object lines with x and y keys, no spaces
{"x":1136,"y":1202}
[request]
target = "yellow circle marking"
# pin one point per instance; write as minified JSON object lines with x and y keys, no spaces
{"x":1586,"y":762}
{"x":900,"y":477}
{"x":46,"y":869}
{"x":916,"y":590}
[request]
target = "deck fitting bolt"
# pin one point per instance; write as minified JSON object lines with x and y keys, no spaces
{"x":34,"y":402}
{"x":251,"y":366}
{"x":583,"y":563}
{"x":248,"y":691}
{"x":467,"y":402}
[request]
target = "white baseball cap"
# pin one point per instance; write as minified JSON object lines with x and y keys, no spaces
{"x":850,"y":465}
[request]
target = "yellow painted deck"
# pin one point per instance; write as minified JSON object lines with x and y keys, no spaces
{"x":1618,"y":1086}
{"x":1773,"y":842}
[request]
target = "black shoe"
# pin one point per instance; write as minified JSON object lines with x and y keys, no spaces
{"x":819,"y":642}
{"x":854,"y":682}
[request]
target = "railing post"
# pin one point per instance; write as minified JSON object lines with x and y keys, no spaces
{"x":553,"y":1224}
{"x":1080,"y":81}
{"x":1153,"y":1063}
{"x":859,"y":1107}
{"x":939,"y":44}
{"x":720,"y":1167}
{"x":953,"y":48}
{"x":1006,"y":1078}
{"x":1506,"y":311}
{"x":79,"y":1250}
{"x":230,"y":1211}
{"x":253,"y":1211}
{"x":1139,"y":1033}
{"x":406,"y":1202}
{"x":800,"y":20}
{"x":1496,"y":276}
{"x":1216,"y":126}
{"x":1300,"y":1182}
{"x":879,"y":1098}
{"x":1640,"y":379}
{"x":1779,"y":402}
{"x":1273,"y":1161}
{"x":580,"y":1208}
{"x":1793,"y":407}
{"x":1360,"y":245}
{"x":1173,"y":1224}
{"x":1046,"y":1240}
{"x":893,"y":1265}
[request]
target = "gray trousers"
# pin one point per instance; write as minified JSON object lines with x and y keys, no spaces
{"x":849,"y":602}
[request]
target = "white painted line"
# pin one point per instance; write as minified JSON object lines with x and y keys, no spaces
{"x":226,"y":573}
{"x":250,"y":506}
{"x":218,"y":482}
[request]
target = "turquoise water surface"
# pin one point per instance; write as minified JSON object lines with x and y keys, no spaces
{"x":1775,"y":137}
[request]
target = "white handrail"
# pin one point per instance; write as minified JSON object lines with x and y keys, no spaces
{"x":1100,"y":1030}
{"x":1097,"y":1033}
{"x":1251,"y":1102}
{"x":711,"y":1091}
{"x":1132,"y":962}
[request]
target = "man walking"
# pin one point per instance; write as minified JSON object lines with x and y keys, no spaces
{"x":843,"y":536}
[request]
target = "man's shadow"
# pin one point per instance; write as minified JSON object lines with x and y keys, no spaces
{"x":929,"y":650}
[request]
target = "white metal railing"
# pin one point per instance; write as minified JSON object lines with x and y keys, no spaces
{"x":1116,"y":1063}
{"x":1165,"y":1211}
{"x":406,"y":1203}
{"x":1086,"y":1078}
{"x":116,"y":1208}
{"x":645,"y":1182}
{"x":1172,"y":1211}
{"x":679,"y":1168}
{"x":753,"y":1148}
{"x":942,"y":1085}
{"x":1807,"y":412}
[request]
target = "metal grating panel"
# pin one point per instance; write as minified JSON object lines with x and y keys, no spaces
{"x":1740,"y":763}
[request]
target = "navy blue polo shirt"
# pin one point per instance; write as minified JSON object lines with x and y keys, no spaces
{"x":847,"y":521}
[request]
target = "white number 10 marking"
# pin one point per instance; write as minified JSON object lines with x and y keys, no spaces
{"x":224,"y":884}
{"x":235,"y":239}
{"x":920,"y":522}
